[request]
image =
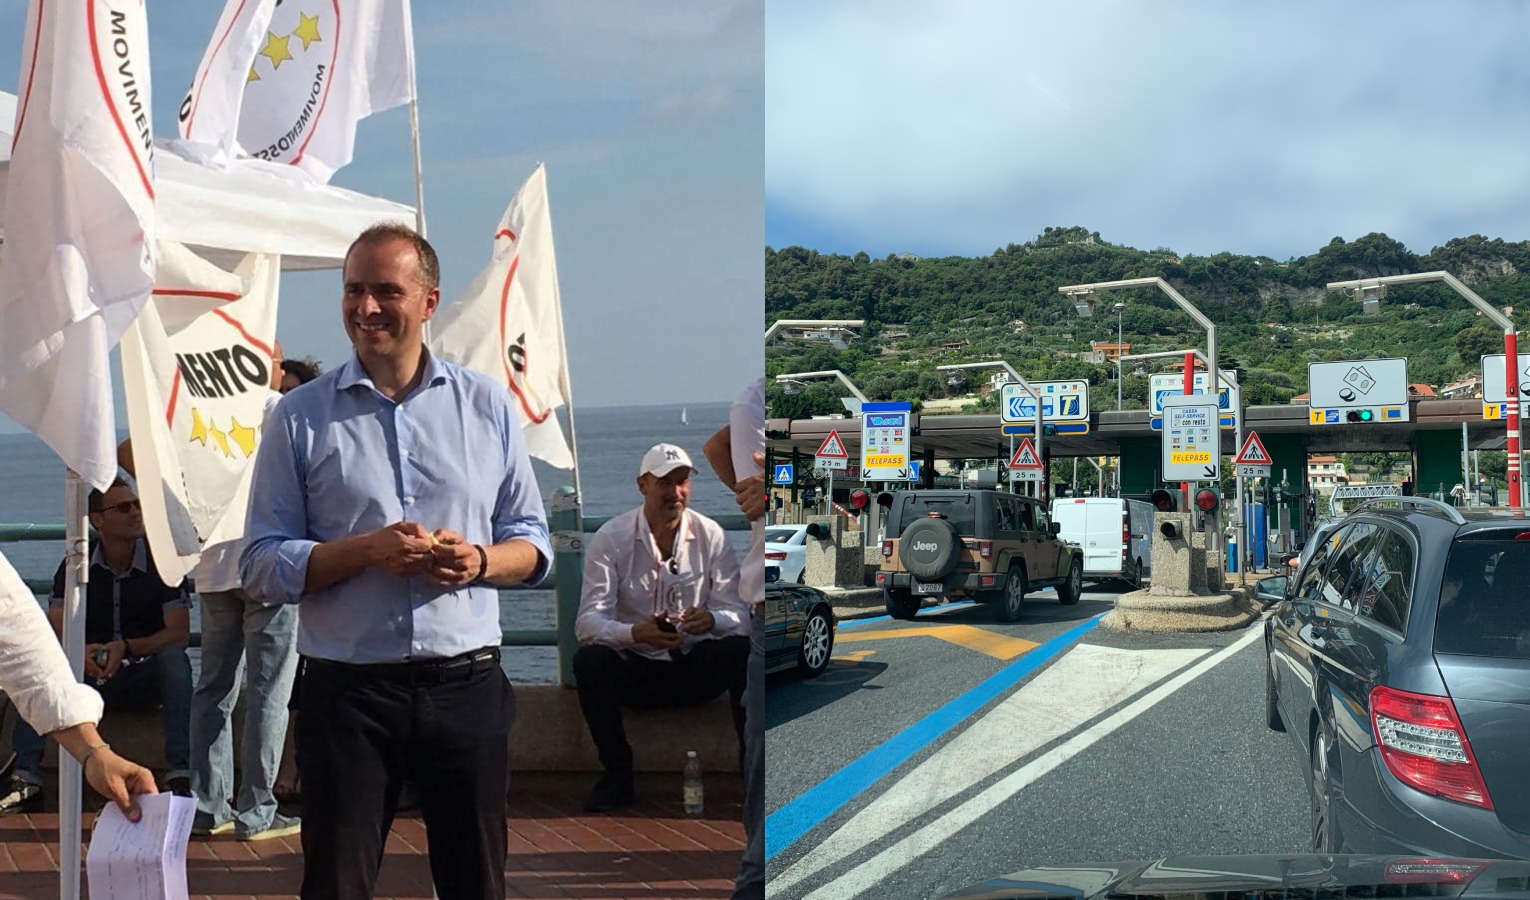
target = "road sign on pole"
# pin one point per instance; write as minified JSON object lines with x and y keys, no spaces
{"x":1172,"y":384}
{"x":1025,"y":456}
{"x":1061,"y":401}
{"x":1253,"y":461}
{"x":832,"y":448}
{"x":1495,"y":391}
{"x":1375,"y":390}
{"x":1191,"y":440}
{"x":784,"y":473}
{"x":885,"y":441}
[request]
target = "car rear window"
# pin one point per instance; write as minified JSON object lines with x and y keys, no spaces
{"x":1485,"y":596}
{"x":960,"y":511}
{"x":779,"y":535}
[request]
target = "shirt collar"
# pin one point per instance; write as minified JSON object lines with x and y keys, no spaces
{"x":140,"y":557}
{"x":352,"y":373}
{"x":644,"y":534}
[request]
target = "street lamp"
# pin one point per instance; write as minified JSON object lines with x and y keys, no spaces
{"x":1120,"y":343}
{"x":1084,"y":300}
{"x":792,"y":383}
{"x":1024,"y":386}
{"x":1370,"y":291}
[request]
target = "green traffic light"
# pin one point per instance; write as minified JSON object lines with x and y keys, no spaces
{"x":1365,"y":415}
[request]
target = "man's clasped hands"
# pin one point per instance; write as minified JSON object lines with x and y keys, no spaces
{"x":406,"y":549}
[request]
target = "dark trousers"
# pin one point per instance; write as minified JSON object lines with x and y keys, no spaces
{"x":609,"y":680}
{"x":364,"y":731}
{"x":750,"y":882}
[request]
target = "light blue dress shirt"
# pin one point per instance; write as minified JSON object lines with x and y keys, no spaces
{"x":337,"y":458}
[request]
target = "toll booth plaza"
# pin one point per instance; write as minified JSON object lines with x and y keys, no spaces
{"x":1432,"y":434}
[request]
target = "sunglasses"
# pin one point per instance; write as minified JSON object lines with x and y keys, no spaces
{"x":124,"y":507}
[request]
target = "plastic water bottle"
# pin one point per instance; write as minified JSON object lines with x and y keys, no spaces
{"x":694,"y":794}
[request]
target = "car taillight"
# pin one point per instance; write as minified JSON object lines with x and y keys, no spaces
{"x":1424,"y":745}
{"x":887,"y":549}
{"x":985,"y":549}
{"x":777,"y":555}
{"x":1432,"y":871}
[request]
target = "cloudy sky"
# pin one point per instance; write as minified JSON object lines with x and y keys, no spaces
{"x":650,"y":120}
{"x":956,"y":128}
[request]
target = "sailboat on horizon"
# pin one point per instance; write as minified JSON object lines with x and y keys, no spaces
{"x":684,"y":418}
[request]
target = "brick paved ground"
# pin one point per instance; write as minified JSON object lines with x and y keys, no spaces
{"x":556,"y":849}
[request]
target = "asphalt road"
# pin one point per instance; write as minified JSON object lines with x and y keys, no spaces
{"x":949,"y":750}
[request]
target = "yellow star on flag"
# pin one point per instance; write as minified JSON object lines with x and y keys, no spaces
{"x":308,"y":29}
{"x":244,"y":436}
{"x":276,"y":49}
{"x":221,"y":438}
{"x":198,"y":427}
{"x":253,"y":76}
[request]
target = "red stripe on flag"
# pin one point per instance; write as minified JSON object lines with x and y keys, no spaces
{"x":240,"y":328}
{"x":188,"y":292}
{"x":505,"y":232}
{"x":175,"y":392}
{"x":106,"y":94}
{"x":26,"y":94}
{"x":319,"y":113}
{"x":196,"y":90}
{"x":504,"y":301}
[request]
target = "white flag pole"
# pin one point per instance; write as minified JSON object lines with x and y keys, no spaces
{"x":414,"y":139}
{"x":563,"y":381}
{"x":70,"y":775}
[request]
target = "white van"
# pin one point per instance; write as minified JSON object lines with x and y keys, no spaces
{"x":1116,"y":535}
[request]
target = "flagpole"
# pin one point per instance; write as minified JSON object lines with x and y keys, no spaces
{"x":414,"y":139}
{"x":563,"y":381}
{"x":70,"y":775}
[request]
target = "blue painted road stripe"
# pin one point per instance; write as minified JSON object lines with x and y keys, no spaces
{"x":789,"y":823}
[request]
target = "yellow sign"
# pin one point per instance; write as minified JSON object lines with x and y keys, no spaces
{"x":1317,"y":416}
{"x":1492,"y":410}
{"x":894,"y":462}
{"x":1192,"y":458}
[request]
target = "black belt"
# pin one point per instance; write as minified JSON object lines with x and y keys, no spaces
{"x":418,"y":671}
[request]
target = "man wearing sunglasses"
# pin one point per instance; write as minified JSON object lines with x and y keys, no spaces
{"x":136,"y":631}
{"x":660,"y":618}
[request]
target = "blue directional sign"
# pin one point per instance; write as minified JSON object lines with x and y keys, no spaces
{"x":784,"y":473}
{"x":1061,"y":401}
{"x":915,"y":469}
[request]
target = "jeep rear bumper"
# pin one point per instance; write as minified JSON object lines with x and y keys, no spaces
{"x":957,"y":581}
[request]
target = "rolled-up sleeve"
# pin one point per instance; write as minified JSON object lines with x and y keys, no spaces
{"x":274,"y":564}
{"x":518,"y":511}
{"x":33,"y":669}
{"x":729,"y":612}
{"x":597,"y":622}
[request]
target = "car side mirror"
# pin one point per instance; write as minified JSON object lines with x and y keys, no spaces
{"x":1054,"y":527}
{"x":818,"y":531}
{"x":772,"y":574}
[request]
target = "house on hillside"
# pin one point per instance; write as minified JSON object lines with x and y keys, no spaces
{"x":1421,"y":392}
{"x":1326,"y":471}
{"x":1110,"y":351}
{"x":1463,"y":390}
{"x":1301,"y":399}
{"x":1019,"y":326}
{"x":953,"y":346}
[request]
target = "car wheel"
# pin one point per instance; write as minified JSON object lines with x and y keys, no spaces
{"x":1271,"y":701}
{"x":900,"y":603}
{"x":1325,"y":828}
{"x":802,"y":576}
{"x":1072,"y":588}
{"x":1013,"y":598}
{"x":817,"y":645}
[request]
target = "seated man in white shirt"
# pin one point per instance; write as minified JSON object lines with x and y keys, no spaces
{"x":660,"y":620}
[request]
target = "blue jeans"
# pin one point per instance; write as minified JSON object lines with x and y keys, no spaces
{"x":750,"y":882}
{"x":240,"y":634}
{"x":162,"y":679}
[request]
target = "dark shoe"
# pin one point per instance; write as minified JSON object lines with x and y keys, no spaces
{"x":178,"y":782}
{"x":23,"y":793}
{"x":611,"y":792}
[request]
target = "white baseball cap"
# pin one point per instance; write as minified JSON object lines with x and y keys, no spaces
{"x":664,"y":459}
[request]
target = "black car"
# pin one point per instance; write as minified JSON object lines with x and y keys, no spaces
{"x":1399,"y":664}
{"x":799,"y":627}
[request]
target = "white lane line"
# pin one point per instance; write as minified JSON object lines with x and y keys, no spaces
{"x":877,"y":869}
{"x":1083,"y":683}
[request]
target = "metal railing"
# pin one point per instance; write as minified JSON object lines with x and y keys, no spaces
{"x":567,"y":528}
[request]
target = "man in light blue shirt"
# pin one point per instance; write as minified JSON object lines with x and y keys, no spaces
{"x":390,"y":498}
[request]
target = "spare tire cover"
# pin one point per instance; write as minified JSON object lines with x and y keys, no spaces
{"x":929,"y":548}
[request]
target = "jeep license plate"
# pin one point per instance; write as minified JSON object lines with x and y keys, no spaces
{"x":929,"y":587}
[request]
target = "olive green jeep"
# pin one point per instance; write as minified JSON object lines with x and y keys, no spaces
{"x":991,"y":546}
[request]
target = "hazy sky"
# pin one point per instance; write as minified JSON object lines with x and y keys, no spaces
{"x":958,"y":127}
{"x":649,"y":117}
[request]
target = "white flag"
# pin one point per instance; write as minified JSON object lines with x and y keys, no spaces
{"x":509,"y":322}
{"x":78,"y":258}
{"x":196,"y":369}
{"x":288,"y":82}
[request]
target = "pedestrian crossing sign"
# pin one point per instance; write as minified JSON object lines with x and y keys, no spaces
{"x":1253,"y":453}
{"x":1025,"y":456}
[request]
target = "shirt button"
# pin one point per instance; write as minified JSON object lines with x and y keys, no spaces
{"x":408,"y":501}
{"x":403,"y":454}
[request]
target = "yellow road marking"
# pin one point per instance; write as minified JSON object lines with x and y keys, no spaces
{"x":855,"y":656}
{"x":997,"y":645}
